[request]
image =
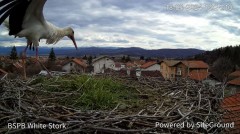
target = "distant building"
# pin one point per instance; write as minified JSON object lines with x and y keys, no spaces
{"x":118,"y":66}
{"x":234,"y":82}
{"x":130,"y":65}
{"x":136,"y":72}
{"x":172,"y":69}
{"x":168,"y":68}
{"x":102,"y":63}
{"x":138,"y":63}
{"x":75,"y":65}
{"x":195,"y":70}
{"x":15,"y":67}
{"x":150,"y":66}
{"x":234,"y":75}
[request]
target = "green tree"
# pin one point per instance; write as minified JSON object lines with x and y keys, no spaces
{"x":85,"y":57}
{"x":89,"y":60}
{"x":141,"y":57}
{"x":127,"y":59}
{"x":123,"y":59}
{"x":13,"y":54}
{"x":148,"y":59}
{"x":52,"y":56}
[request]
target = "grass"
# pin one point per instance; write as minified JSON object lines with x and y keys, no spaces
{"x":90,"y":93}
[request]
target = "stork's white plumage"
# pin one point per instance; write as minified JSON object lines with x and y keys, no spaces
{"x":25,"y":19}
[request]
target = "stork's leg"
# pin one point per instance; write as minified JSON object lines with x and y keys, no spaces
{"x":29,"y":43}
{"x":23,"y":55}
{"x":36,"y":44}
{"x":25,"y":50}
{"x":36,"y":52}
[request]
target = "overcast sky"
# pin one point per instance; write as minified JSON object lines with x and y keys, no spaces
{"x":150,"y":24}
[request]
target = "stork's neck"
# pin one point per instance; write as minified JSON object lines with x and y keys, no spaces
{"x":63,"y":31}
{"x":56,"y":33}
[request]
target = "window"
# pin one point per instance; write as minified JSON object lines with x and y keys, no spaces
{"x":179,"y":71}
{"x":71,"y":64}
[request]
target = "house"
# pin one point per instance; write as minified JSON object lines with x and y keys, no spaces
{"x":172,"y":69}
{"x":101,"y":63}
{"x":138,"y":63}
{"x":231,"y":106}
{"x":136,"y":72}
{"x":234,"y":82}
{"x":234,"y":85}
{"x":212,"y":81}
{"x":151,"y":66}
{"x":168,"y":68}
{"x":118,"y":66}
{"x":74,"y":65}
{"x":195,"y":70}
{"x":130,"y":65}
{"x":15,"y":67}
{"x":234,"y":75}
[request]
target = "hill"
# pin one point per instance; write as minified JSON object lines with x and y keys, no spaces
{"x":112,"y":51}
{"x":230,"y":52}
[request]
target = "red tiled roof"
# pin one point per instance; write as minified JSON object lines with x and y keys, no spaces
{"x":232,"y":106}
{"x":235,"y":81}
{"x":139,"y":62}
{"x":129,"y":64}
{"x":79,"y":62}
{"x":171,"y":63}
{"x":235,"y":74}
{"x":99,"y":58}
{"x":198,"y":75}
{"x":148,"y":64}
{"x":195,"y":64}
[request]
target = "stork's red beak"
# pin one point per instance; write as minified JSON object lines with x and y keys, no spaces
{"x":73,"y":40}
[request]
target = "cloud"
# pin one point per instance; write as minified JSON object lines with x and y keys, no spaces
{"x":151,"y":24}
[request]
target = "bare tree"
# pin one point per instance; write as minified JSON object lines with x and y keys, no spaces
{"x":222,"y":67}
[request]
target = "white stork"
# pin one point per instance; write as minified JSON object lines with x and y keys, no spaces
{"x":25,"y":19}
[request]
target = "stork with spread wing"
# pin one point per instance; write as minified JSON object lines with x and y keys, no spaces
{"x":24,"y":18}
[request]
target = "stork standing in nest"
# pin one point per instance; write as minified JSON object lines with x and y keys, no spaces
{"x":24,"y":18}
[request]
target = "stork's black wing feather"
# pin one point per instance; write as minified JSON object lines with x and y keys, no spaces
{"x":16,"y":17}
{"x":7,"y":7}
{"x":4,"y":2}
{"x":15,"y":10}
{"x":4,"y":16}
{"x":5,"y":11}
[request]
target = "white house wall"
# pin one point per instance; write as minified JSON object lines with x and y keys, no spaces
{"x":99,"y":65}
{"x":155,"y":67}
{"x":67,"y":67}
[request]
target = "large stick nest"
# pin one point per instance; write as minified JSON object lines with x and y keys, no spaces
{"x":180,"y":101}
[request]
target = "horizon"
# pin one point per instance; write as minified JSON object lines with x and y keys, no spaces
{"x":100,"y":47}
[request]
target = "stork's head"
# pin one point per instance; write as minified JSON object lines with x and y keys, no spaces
{"x":70,"y":34}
